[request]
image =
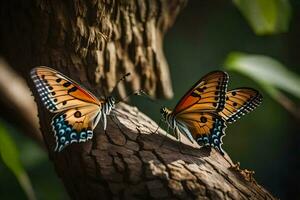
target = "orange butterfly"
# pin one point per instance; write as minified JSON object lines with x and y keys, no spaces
{"x":203,"y":111}
{"x":78,"y":110}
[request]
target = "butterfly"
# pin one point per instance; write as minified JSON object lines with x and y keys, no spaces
{"x":77,"y":111}
{"x":202,"y":113}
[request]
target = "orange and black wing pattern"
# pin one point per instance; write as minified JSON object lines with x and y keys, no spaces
{"x":206,"y":128}
{"x":74,"y":125}
{"x":58,"y":92}
{"x":239,"y":102}
{"x":203,"y":111}
{"x":78,"y":111}
{"x":208,"y":94}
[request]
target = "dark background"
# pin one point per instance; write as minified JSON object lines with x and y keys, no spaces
{"x":265,"y":141}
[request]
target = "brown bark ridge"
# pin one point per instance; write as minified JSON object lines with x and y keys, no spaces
{"x":110,"y":37}
{"x":95,"y":42}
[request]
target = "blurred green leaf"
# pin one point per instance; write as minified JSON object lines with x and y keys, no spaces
{"x":270,"y":74}
{"x":266,"y":71}
{"x":10,"y":156}
{"x":266,"y":16}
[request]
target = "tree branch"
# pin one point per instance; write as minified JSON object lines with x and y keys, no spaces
{"x":128,"y":162}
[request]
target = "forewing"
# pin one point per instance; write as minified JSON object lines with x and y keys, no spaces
{"x":208,"y":94}
{"x":75,"y":125}
{"x":240,"y":102}
{"x":206,"y":128}
{"x":58,"y":92}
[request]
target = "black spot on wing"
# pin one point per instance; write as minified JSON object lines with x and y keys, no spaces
{"x":196,"y":95}
{"x":203,"y":119}
{"x":73,"y":89}
{"x":77,"y":114}
{"x":66,"y":84}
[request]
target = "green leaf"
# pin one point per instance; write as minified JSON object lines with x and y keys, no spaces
{"x":271,"y":74}
{"x":266,"y":16}
{"x":10,"y":156}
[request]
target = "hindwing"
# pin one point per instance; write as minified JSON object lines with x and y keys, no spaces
{"x":240,"y":102}
{"x":206,"y":128}
{"x":75,"y":125}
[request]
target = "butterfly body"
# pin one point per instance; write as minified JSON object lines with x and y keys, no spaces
{"x":77,"y":110}
{"x":175,"y":123}
{"x":202,"y":113}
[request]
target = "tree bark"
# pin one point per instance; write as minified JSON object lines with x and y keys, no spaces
{"x":96,"y":42}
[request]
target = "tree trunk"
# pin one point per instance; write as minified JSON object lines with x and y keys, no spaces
{"x":96,"y":42}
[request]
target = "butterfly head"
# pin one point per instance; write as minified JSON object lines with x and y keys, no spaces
{"x":164,"y":111}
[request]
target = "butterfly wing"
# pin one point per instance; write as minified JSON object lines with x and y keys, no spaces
{"x":78,"y":111}
{"x":208,"y":94}
{"x":58,"y":92}
{"x":206,"y":128}
{"x":240,"y":102}
{"x":75,"y":125}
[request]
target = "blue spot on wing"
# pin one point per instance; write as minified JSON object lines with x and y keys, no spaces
{"x":65,"y":134}
{"x":214,"y":138}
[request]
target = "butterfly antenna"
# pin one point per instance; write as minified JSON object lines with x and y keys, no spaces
{"x":137,"y":92}
{"x":144,"y":94}
{"x":123,"y":78}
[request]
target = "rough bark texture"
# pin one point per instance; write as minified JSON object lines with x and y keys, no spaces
{"x":95,"y":42}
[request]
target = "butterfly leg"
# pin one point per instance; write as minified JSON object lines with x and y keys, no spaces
{"x":114,"y":118}
{"x":159,"y":123}
{"x":104,"y":120}
{"x":178,"y":136}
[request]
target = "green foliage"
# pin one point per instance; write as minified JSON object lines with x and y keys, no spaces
{"x":266,"y":16}
{"x":10,"y":156}
{"x":268,"y":72}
